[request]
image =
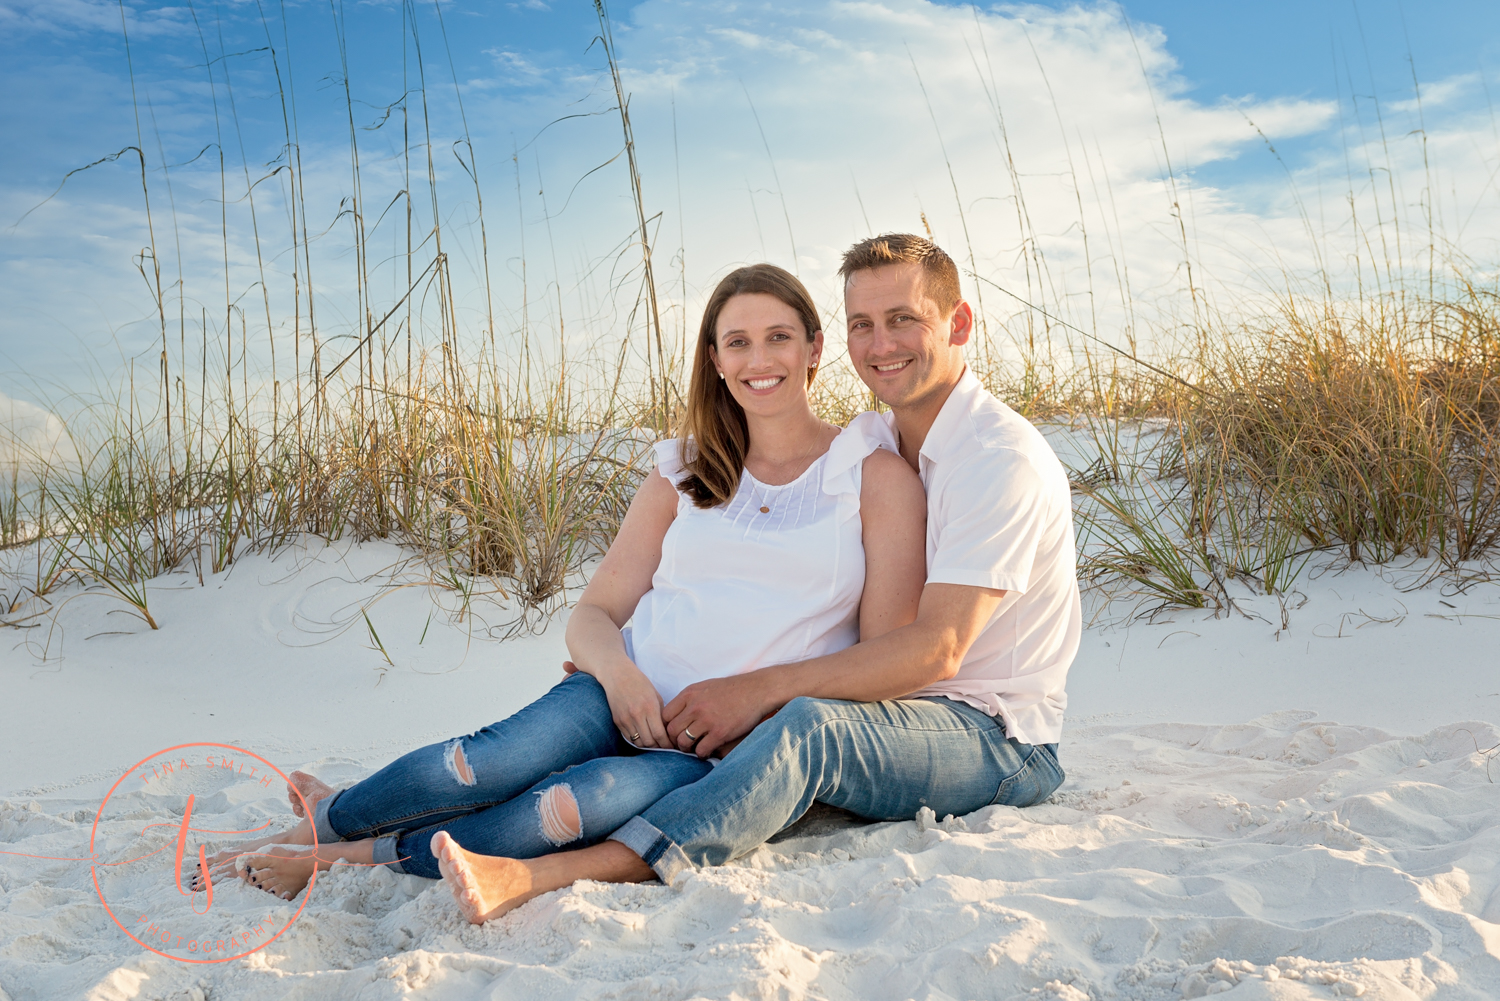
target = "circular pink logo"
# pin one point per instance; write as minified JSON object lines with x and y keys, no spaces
{"x":144,"y":871}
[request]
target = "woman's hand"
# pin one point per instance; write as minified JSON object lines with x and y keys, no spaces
{"x":635,"y":705}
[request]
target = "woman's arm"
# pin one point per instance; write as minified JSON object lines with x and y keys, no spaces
{"x":622,"y":577}
{"x":893,"y":509}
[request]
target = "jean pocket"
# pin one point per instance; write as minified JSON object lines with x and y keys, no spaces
{"x":1036,"y":779}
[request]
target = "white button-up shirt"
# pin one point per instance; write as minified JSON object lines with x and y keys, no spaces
{"x":1000,"y":515}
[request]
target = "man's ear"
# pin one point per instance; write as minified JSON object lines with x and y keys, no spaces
{"x":962,"y":324}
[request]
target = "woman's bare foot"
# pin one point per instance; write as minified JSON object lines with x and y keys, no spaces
{"x":283,"y":872}
{"x":302,"y":788}
{"x":484,"y":886}
{"x":313,"y":791}
{"x":222,"y":864}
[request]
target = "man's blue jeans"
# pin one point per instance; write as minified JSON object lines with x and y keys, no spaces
{"x":880,"y":760}
{"x":493,"y":790}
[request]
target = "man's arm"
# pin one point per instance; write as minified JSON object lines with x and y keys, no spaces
{"x":949,"y":618}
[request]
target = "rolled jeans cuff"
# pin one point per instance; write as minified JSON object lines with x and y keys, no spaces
{"x":386,"y":852}
{"x":660,"y":852}
{"x":326,"y":833}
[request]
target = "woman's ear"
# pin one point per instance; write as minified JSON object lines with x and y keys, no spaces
{"x":816,"y":354}
{"x":713,"y":356}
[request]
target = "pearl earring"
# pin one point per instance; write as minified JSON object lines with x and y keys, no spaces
{"x":721,"y":375}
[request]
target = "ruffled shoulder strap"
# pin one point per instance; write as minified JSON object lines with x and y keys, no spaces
{"x":847,"y":454}
{"x":669,"y":460}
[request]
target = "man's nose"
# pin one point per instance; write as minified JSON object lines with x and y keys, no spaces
{"x":882,"y":340}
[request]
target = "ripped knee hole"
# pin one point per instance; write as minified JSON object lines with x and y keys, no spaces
{"x":557,"y":809}
{"x":458,"y":762}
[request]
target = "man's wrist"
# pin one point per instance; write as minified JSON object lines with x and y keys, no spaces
{"x":775,"y":687}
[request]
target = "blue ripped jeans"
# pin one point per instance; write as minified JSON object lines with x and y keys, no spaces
{"x":881,"y":760}
{"x":555,"y":775}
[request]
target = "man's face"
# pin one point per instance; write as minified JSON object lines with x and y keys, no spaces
{"x":904,"y":348}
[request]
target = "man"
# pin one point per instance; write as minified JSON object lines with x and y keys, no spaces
{"x":958,"y":710}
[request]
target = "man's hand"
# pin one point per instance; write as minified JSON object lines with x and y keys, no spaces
{"x":709,"y":714}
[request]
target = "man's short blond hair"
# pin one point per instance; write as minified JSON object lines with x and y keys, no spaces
{"x":939,"y":273}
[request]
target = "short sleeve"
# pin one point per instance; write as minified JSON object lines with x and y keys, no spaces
{"x":994,"y":514}
{"x":846,"y":456}
{"x":669,"y":461}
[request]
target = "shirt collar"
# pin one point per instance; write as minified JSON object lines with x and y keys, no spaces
{"x":956,"y":408}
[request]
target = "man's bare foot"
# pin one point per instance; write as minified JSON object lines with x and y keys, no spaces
{"x":313,"y":790}
{"x":222,"y":864}
{"x":484,"y":886}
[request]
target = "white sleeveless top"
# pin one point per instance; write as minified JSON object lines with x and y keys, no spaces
{"x":738,"y":589}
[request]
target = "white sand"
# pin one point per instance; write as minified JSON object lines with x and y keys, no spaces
{"x":1257,"y":811}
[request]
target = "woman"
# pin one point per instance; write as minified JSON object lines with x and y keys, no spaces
{"x":763,"y":536}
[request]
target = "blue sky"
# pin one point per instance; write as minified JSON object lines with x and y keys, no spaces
{"x":765,"y":130}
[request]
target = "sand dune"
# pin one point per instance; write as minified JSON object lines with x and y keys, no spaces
{"x":1341,"y":843}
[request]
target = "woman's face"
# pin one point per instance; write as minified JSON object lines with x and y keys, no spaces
{"x":763,"y":352}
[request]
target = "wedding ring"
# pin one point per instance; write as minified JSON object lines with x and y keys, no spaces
{"x":636,"y":737}
{"x":689,"y":733}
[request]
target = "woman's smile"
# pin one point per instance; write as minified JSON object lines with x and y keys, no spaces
{"x":764,"y":383}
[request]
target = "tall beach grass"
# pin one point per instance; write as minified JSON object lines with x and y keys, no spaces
{"x":1364,"y":424}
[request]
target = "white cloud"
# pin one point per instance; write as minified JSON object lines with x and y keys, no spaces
{"x":1068,"y":204}
{"x":1089,"y":114}
{"x":515,"y":69}
{"x":1083,"y":106}
{"x":1437,"y":93}
{"x":66,"y":16}
{"x":29,"y":434}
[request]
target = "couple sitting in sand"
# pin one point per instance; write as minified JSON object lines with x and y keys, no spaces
{"x":786,"y":616}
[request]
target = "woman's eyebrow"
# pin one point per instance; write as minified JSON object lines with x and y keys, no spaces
{"x":773,"y":326}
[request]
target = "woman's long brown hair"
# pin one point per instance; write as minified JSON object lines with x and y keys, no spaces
{"x":715,"y":423}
